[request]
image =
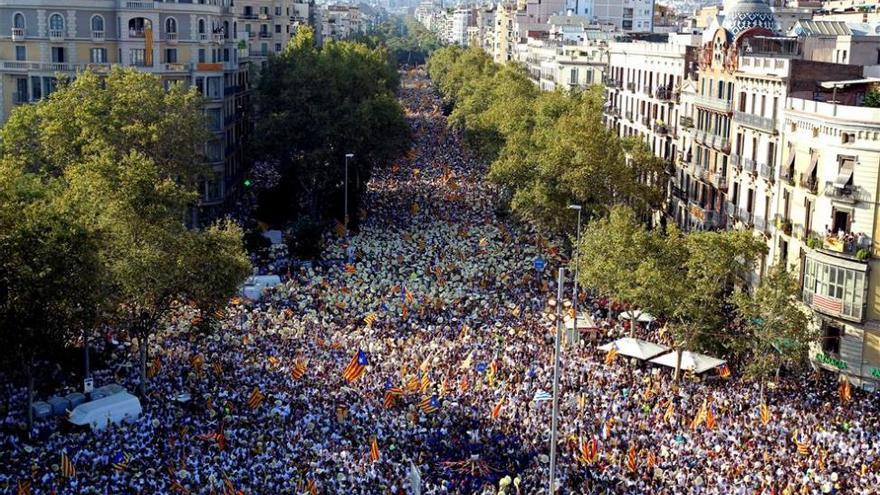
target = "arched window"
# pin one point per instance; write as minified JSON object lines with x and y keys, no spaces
{"x":56,"y":22}
{"x":18,"y":20}
{"x":226,"y":29}
{"x":201,"y":26}
{"x":171,"y":25}
{"x":97,"y":23}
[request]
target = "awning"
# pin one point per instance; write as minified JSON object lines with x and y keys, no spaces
{"x":846,"y":172}
{"x":641,"y":317}
{"x":814,"y":160}
{"x":637,"y":348}
{"x":791,"y":157}
{"x":690,"y":361}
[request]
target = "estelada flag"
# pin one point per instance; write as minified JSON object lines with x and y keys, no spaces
{"x":273,"y":361}
{"x":391,"y":395}
{"x":464,"y":385}
{"x":710,"y":418}
{"x":370,"y":319}
{"x":356,"y":367}
{"x":612,"y":353}
{"x":631,"y":459}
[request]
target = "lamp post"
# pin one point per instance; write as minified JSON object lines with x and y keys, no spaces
{"x":556,"y":380}
{"x":574,"y":298}
{"x":348,"y":156}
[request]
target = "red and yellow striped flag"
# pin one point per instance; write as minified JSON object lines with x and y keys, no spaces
{"x":374,"y":450}
{"x":496,"y":411}
{"x":670,"y":411}
{"x":370,"y":319}
{"x":312,"y":487}
{"x":356,"y":367}
{"x":154,"y":367}
{"x":299,"y":369}
{"x":68,"y":469}
{"x":197,"y":361}
{"x":700,"y":417}
{"x":710,"y":418}
{"x":765,"y":414}
{"x":273,"y":361}
{"x":631,"y":463}
{"x":24,"y":487}
{"x":612,"y":353}
{"x":349,"y":268}
{"x":845,"y":391}
{"x":405,"y":312}
{"x":464,"y":385}
{"x":256,"y":398}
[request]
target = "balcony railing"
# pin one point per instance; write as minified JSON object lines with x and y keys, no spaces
{"x":755,"y":121}
{"x":810,"y":184}
{"x":729,"y":209}
{"x":612,"y":83}
{"x":719,"y":179}
{"x":699,"y":172}
{"x":137,"y":5}
{"x":204,"y":37}
{"x":15,"y":65}
{"x":846,"y":194}
{"x":630,"y":86}
{"x":661,"y":129}
{"x":265,"y":34}
{"x":686,"y":122}
{"x":787,"y":176}
{"x":56,"y":34}
{"x":704,"y":214}
{"x":171,"y":38}
{"x":646,"y":121}
{"x":665,"y":94}
{"x":766,"y":171}
{"x":97,"y":36}
{"x":716,"y":104}
{"x":748,"y":166}
{"x":736,"y":161}
{"x":17,"y":34}
{"x":629,"y":116}
{"x":218,"y":38}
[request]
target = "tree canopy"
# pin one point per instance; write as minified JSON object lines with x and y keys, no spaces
{"x":315,"y":105}
{"x":548,"y":149}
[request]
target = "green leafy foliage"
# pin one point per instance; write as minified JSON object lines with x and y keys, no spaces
{"x":315,"y":106}
{"x":548,"y":149}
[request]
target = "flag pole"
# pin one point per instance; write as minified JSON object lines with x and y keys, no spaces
{"x":554,"y":421}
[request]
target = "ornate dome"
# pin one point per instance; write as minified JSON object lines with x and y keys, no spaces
{"x":742,"y":15}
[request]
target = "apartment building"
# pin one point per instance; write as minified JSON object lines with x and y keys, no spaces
{"x":340,"y":22}
{"x":621,"y":15}
{"x":190,"y":43}
{"x":829,"y":226}
{"x":644,"y":84}
{"x":268,"y":25}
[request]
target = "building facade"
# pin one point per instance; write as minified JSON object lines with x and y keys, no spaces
{"x":189,"y":43}
{"x":624,"y":15}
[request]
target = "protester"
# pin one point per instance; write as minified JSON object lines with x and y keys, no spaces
{"x":444,"y":302}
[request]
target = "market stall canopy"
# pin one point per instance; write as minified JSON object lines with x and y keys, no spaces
{"x":640,"y":317}
{"x":690,"y":361}
{"x":583,"y":323}
{"x":637,"y":348}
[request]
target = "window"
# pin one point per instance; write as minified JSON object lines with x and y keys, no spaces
{"x":58,"y":54}
{"x":18,"y":21}
{"x":848,"y":137}
{"x":277,"y":10}
{"x":277,"y":28}
{"x":201,"y":26}
{"x":171,"y":55}
{"x":21,"y":93}
{"x":171,"y":25}
{"x":278,"y":47}
{"x":98,"y":55}
{"x":21,"y":53}
{"x":137,"y":57}
{"x":201,"y":55}
{"x":573,"y":77}
{"x":215,"y":121}
{"x":834,"y":289}
{"x":56,"y":23}
{"x":97,"y":24}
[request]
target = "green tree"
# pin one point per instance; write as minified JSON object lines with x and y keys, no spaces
{"x":125,"y":151}
{"x":777,"y":330}
{"x":872,"y":98}
{"x":315,"y":106}
{"x":49,"y":270}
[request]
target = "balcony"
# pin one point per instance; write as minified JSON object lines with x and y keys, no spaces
{"x":661,"y":130}
{"x":646,"y":121}
{"x":717,"y":104}
{"x":729,"y":209}
{"x":137,"y":5}
{"x":647,"y":90}
{"x":218,"y":38}
{"x":630,"y":86}
{"x":19,"y":98}
{"x":137,"y":33}
{"x":745,"y":216}
{"x":766,"y":172}
{"x":204,"y":37}
{"x":171,"y":38}
{"x":610,"y":82}
{"x":56,"y":35}
{"x":705,"y":215}
{"x":784,"y":224}
{"x":736,"y":161}
{"x":756,"y":122}
{"x":748,"y":166}
{"x":846,"y":194}
{"x":760,"y":223}
{"x":629,"y":116}
{"x":686,"y":122}
{"x":848,"y":244}
{"x":22,"y":66}
{"x":699,"y":172}
{"x":810,"y":184}
{"x":98,"y":36}
{"x":265,"y":34}
{"x":17,"y":34}
{"x":787,"y":176}
{"x":719,"y":179}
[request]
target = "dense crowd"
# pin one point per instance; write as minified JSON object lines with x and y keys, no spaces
{"x":456,"y":326}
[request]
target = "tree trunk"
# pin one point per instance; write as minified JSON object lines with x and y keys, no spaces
{"x":778,"y":369}
{"x":677,"y":366}
{"x":30,"y":401}
{"x":762,"y":391}
{"x":87,"y":372}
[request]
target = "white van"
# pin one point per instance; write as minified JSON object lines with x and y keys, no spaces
{"x":253,"y":286}
{"x":113,"y":409}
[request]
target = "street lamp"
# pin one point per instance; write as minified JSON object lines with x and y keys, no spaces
{"x":577,"y":245}
{"x":348,"y":156}
{"x":554,"y":420}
